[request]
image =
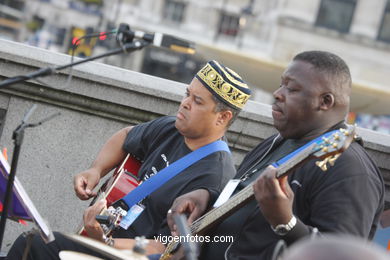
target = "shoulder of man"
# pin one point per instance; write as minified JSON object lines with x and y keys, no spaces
{"x":259,"y":150}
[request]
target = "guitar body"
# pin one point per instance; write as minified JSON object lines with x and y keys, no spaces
{"x":123,"y":180}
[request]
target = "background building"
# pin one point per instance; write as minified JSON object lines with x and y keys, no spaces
{"x":255,"y":37}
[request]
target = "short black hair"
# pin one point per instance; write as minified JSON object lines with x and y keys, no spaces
{"x":325,"y":61}
{"x":222,"y":106}
{"x":334,"y":68}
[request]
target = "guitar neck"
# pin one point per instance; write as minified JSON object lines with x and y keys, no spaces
{"x":223,"y":211}
{"x":293,"y":160}
{"x":245,"y":195}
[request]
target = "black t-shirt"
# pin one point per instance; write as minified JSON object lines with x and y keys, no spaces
{"x":233,"y":224}
{"x":330,"y":201}
{"x":157,"y":144}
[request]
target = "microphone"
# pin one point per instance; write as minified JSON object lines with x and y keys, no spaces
{"x":190,"y":248}
{"x":126,"y":35}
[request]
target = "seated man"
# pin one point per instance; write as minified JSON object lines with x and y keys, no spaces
{"x":313,"y":98}
{"x":212,"y":102}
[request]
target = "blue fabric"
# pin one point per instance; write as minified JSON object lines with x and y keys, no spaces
{"x":157,"y":180}
{"x":317,"y":141}
{"x":154,"y":257}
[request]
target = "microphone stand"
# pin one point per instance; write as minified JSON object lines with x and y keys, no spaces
{"x":125,"y":48}
{"x":128,"y":46}
{"x":17,"y":136}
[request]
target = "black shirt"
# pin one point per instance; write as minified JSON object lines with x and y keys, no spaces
{"x":236,"y":221}
{"x":158,"y":143}
{"x":330,"y":201}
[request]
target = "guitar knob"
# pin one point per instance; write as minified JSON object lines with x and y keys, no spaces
{"x":322,"y":165}
{"x":333,"y":159}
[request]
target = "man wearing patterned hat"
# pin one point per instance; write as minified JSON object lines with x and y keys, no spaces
{"x":212,"y":101}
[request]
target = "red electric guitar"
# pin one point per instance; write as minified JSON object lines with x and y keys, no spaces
{"x":123,"y":180}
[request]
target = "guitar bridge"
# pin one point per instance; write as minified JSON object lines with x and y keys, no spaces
{"x":110,"y":219}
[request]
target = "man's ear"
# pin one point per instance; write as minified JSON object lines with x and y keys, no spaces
{"x":224,"y":117}
{"x":327,"y":101}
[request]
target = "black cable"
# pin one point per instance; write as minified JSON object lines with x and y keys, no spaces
{"x":75,"y":44}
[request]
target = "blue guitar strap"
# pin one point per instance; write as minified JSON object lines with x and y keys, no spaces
{"x":161,"y":177}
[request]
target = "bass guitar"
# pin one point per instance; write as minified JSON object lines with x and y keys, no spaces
{"x":327,"y":147}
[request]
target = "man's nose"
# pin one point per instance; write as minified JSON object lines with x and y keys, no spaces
{"x":185,"y":103}
{"x":278,"y":94}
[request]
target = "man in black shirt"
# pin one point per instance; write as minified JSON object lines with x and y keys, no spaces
{"x":313,"y":98}
{"x":212,"y":102}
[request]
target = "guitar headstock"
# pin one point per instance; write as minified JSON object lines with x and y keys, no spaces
{"x":332,"y":144}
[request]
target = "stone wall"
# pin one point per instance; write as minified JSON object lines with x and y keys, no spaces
{"x":99,"y":101}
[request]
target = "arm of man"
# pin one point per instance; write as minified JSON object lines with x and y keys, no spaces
{"x":95,"y":231}
{"x":333,"y":199}
{"x":275,"y":197}
{"x":108,"y":157}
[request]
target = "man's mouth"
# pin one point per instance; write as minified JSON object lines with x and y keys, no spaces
{"x":180,"y":115}
{"x":276,"y":111}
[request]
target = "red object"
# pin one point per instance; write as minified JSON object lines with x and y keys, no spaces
{"x":102,"y":36}
{"x":119,"y":184}
{"x":75,"y":40}
{"x":21,"y":221}
{"x":5,"y":154}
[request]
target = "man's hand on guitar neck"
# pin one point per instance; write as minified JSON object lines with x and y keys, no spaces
{"x":193,"y":204}
{"x":84,"y":183}
{"x":92,"y":227}
{"x":274,"y":196}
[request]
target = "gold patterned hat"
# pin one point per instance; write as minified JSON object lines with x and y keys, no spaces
{"x":225,"y":84}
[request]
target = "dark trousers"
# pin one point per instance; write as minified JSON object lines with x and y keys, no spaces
{"x":40,"y":250}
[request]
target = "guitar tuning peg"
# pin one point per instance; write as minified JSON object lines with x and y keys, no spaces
{"x":344,"y":131}
{"x":322,"y":164}
{"x":326,"y":140}
{"x":334,"y":145}
{"x":336,"y":136}
{"x":333,"y":159}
